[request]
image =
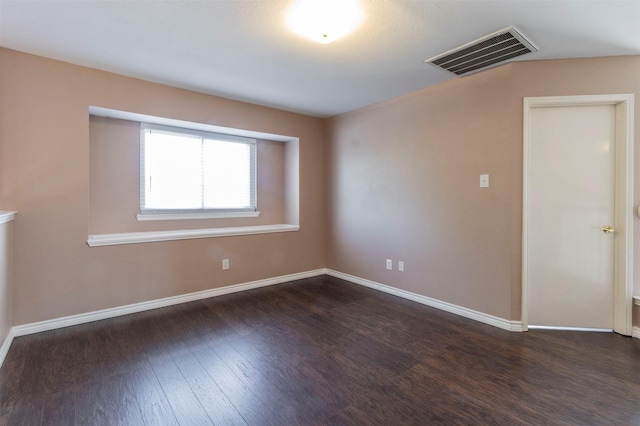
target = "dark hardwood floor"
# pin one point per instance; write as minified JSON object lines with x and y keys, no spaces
{"x":316,"y":351}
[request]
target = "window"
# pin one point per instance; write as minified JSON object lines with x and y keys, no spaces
{"x":186,"y":171}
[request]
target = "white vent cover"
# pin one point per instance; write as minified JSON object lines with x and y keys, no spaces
{"x":488,"y":51}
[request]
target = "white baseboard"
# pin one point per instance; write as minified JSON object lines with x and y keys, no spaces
{"x":549,"y":327}
{"x":636,"y":332}
{"x":434,"y":303}
{"x":37,"y":327}
{"x":4,"y":349}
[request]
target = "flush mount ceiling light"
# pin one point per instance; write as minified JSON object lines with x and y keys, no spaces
{"x":324,"y":20}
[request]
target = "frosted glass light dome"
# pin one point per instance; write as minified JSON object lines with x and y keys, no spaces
{"x":324,"y":20}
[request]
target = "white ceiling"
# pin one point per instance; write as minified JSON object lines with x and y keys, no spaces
{"x":243,"y":50}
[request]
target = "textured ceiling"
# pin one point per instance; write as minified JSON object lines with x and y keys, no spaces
{"x":243,"y":49}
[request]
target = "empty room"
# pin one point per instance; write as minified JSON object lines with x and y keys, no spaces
{"x":282,"y":212}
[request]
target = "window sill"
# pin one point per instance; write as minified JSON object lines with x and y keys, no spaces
{"x":184,"y":234}
{"x":183,"y":216}
{"x":6,"y":216}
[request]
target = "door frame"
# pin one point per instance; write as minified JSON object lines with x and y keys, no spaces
{"x":623,"y":205}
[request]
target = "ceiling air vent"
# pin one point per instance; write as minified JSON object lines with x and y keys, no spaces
{"x":488,"y":51}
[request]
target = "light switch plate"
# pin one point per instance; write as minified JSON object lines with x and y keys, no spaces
{"x":484,"y":181}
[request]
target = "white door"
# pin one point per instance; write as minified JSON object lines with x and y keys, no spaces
{"x":571,"y":187}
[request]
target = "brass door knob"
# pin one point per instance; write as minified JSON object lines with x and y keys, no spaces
{"x":608,"y":229}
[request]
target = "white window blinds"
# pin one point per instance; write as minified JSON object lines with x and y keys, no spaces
{"x":186,"y":170}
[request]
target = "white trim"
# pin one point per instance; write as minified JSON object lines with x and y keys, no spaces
{"x":623,"y":268}
{"x":37,"y":327}
{"x":636,"y":330}
{"x":191,"y":131}
{"x":181,"y":216}
{"x":98,"y":240}
{"x":6,"y":216}
{"x":557,"y":101}
{"x":546,"y":327}
{"x":144,"y":118}
{"x":4,"y":349}
{"x":434,"y":303}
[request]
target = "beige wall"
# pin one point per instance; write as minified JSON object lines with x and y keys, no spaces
{"x":403,"y":176}
{"x":46,"y":178}
{"x":6,"y":302}
{"x":114,"y":182}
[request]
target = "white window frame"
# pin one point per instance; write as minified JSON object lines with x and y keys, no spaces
{"x":197,"y":213}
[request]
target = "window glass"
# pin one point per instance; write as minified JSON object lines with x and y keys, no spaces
{"x":196,"y":171}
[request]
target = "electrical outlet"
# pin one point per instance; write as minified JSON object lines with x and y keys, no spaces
{"x":484,"y":181}
{"x":401,"y":266}
{"x":389,"y":265}
{"x":225,"y":264}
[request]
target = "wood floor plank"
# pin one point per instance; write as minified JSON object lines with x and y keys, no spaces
{"x":5,"y":414}
{"x":394,"y":329}
{"x":296,"y":374}
{"x":108,"y":401}
{"x":275,"y":391}
{"x":93,"y":359}
{"x":357,"y":345}
{"x":299,"y":381}
{"x":11,"y":373}
{"x":61,"y":360}
{"x":205,"y":334}
{"x":244,"y":318}
{"x":214,"y":401}
{"x":460,"y":401}
{"x":549,"y":382}
{"x":36,"y":373}
{"x":184,"y":403}
{"x":60,"y":408}
{"x":154,"y":406}
{"x":244,"y":399}
{"x":26,"y":413}
{"x":380,"y":408}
